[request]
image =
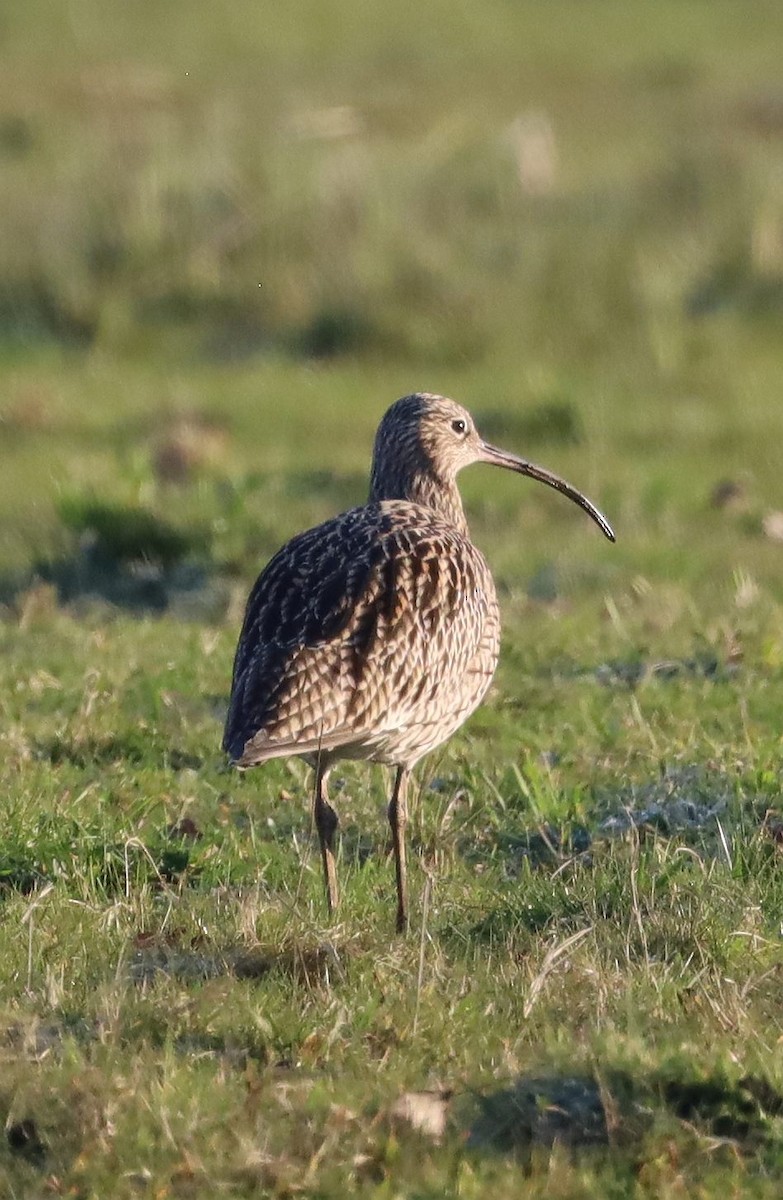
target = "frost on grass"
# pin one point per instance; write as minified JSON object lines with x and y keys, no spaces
{"x":682,"y":799}
{"x":692,"y":803}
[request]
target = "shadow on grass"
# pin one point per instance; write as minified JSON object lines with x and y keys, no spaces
{"x":132,"y":748}
{"x":182,"y":857}
{"x":125,"y":556}
{"x":88,"y":578}
{"x":62,"y":850}
{"x":155,"y":959}
{"x":616,"y":1110}
{"x":540,"y":1110}
{"x":24,"y":1141}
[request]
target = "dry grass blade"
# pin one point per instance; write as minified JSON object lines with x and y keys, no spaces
{"x":551,"y":959}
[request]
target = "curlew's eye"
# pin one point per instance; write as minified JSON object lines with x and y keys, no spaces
{"x":459,"y":426}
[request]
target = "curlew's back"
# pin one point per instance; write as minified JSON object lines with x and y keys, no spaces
{"x":371,"y":636}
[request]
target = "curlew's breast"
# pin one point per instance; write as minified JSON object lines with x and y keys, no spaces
{"x":372,"y":636}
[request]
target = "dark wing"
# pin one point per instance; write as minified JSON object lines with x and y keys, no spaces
{"x":350,"y":628}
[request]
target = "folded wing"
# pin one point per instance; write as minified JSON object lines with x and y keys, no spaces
{"x":355,"y":630}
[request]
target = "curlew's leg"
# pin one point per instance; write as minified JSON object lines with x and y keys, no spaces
{"x":326,"y":824}
{"x":398,"y":819}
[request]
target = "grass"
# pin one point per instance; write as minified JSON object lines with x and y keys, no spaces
{"x":569,"y":217}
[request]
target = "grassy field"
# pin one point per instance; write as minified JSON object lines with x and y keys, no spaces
{"x":227,"y":242}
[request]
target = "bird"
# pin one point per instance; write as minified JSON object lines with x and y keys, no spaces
{"x":376,"y":634}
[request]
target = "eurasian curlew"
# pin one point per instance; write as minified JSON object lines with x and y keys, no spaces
{"x":375,"y":635}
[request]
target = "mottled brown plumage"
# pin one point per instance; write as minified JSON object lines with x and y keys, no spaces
{"x":375,"y":635}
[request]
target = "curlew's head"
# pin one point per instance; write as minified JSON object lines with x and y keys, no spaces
{"x":422,"y":442}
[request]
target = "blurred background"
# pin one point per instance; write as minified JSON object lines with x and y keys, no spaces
{"x":231,"y":234}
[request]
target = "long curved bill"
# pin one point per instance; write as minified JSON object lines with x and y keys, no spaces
{"x":501,"y":458}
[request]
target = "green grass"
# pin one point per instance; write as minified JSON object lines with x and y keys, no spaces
{"x":590,"y":994}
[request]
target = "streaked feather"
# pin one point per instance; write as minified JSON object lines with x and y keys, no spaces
{"x":370,"y":636}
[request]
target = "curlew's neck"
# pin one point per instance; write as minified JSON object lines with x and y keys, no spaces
{"x":418,"y":485}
